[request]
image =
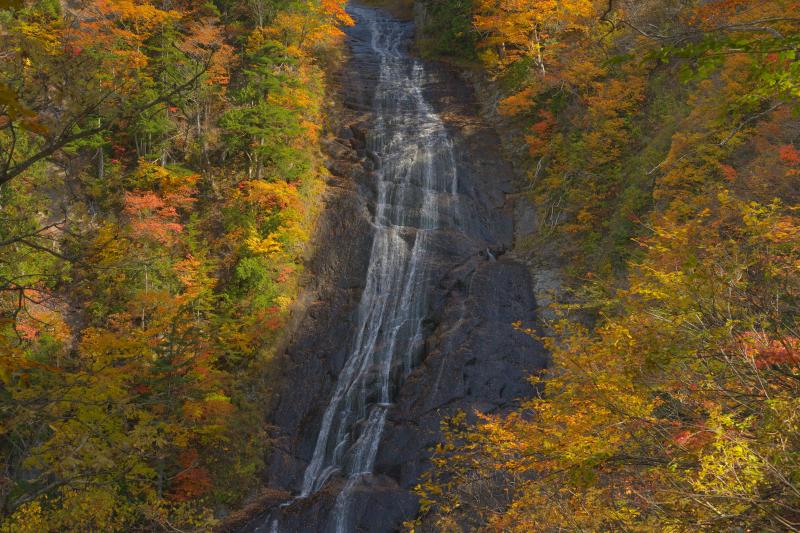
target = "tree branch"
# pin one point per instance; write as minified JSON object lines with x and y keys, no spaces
{"x":66,"y":137}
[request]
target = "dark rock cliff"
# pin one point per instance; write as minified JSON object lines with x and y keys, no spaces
{"x":472,"y":359}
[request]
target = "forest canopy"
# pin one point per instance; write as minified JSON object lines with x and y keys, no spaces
{"x":159,"y":178}
{"x":660,"y":141}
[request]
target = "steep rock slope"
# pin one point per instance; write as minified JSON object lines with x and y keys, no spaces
{"x":472,"y":357}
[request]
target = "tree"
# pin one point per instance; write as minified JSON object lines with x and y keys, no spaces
{"x":69,"y":83}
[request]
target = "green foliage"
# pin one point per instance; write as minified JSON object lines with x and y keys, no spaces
{"x":156,"y":208}
{"x":674,"y":411}
{"x":667,"y":176}
{"x":448,"y":31}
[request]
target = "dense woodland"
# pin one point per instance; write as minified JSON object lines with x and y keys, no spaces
{"x":160,"y":176}
{"x":661,"y":152}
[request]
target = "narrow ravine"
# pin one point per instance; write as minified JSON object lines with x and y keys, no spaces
{"x":417,"y":187}
{"x":437,"y":222}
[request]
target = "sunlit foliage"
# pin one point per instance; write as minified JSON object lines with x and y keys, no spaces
{"x":159,"y":176}
{"x":663,"y":158}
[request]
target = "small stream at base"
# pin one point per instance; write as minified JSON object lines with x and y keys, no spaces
{"x":417,"y":195}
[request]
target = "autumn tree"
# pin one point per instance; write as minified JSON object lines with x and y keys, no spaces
{"x":144,"y":276}
{"x":663,"y":163}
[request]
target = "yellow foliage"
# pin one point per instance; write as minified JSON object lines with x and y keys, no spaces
{"x":268,"y":245}
{"x":657,"y":418}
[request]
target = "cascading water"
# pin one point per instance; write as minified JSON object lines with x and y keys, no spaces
{"x":417,"y":195}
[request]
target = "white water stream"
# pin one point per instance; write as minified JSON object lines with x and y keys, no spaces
{"x":417,"y":188}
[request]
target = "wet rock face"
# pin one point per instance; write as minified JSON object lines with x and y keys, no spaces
{"x":474,"y":360}
{"x":472,"y":357}
{"x":377,"y":506}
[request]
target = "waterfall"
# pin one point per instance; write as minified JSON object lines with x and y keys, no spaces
{"x":417,"y":195}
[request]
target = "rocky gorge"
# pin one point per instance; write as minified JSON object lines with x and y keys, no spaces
{"x":435,"y":302}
